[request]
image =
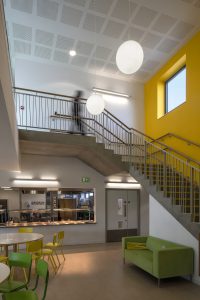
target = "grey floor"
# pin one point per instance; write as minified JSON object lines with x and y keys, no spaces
{"x":97,"y":272}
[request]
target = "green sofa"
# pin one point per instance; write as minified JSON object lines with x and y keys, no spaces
{"x":161,"y":258}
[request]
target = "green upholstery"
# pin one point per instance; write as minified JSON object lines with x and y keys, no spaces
{"x":23,"y":295}
{"x":162,"y":258}
{"x":41,"y":271}
{"x":21,"y":260}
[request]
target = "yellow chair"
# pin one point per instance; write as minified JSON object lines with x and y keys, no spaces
{"x":61,"y":235}
{"x":3,"y":259}
{"x":37,"y":251}
{"x":54,"y":245}
{"x":25,"y":229}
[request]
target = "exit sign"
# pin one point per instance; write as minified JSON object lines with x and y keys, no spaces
{"x":85,"y":179}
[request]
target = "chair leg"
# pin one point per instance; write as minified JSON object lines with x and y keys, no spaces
{"x":25,"y":275}
{"x":62,"y":253}
{"x":57,"y":258}
{"x":53,"y":263}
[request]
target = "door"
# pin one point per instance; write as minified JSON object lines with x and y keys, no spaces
{"x":122,"y":214}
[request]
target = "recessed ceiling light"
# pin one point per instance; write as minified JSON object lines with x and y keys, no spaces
{"x":72,"y":53}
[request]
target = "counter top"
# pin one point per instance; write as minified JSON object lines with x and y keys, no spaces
{"x":53,"y":223}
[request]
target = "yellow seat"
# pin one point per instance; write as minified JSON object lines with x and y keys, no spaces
{"x":3,"y":259}
{"x":54,"y":245}
{"x":25,"y":229}
{"x":61,"y":235}
{"x":37,"y":251}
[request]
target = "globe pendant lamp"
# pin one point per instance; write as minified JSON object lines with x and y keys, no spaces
{"x":95,"y":104}
{"x":129,"y":57}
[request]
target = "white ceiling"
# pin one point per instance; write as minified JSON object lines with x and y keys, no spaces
{"x":44,"y":30}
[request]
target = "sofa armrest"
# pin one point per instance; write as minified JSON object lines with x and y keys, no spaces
{"x":137,"y":239}
{"x":173,"y":262}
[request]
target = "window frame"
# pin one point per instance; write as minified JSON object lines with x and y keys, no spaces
{"x":166,"y":89}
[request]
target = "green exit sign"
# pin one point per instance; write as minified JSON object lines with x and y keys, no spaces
{"x":85,"y":179}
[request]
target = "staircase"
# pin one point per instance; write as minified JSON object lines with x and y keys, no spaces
{"x":168,"y":175}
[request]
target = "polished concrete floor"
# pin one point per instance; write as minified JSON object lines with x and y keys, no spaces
{"x":97,"y":272}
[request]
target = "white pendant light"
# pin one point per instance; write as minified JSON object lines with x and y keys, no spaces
{"x":129,"y":57}
{"x":95,"y":104}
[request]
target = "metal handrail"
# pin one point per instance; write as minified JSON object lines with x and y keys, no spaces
{"x":186,"y":157}
{"x":171,"y":171}
{"x":169,"y":134}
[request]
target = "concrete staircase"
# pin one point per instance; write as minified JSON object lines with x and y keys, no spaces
{"x":111,"y":147}
{"x":84,"y":148}
{"x":180,"y":207}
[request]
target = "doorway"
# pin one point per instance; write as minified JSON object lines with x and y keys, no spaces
{"x":122,"y":214}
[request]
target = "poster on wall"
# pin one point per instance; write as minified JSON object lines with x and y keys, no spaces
{"x":33,"y":202}
{"x":120,"y":206}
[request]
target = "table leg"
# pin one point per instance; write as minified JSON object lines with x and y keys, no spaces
{"x":15,"y":248}
{"x":6,"y":250}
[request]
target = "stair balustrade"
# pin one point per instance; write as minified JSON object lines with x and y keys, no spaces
{"x":176,"y":175}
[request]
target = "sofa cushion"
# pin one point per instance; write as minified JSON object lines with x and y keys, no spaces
{"x":141,"y":257}
{"x":154,"y":243}
{"x":135,"y":245}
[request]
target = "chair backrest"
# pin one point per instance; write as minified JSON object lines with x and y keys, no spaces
{"x":25,"y":230}
{"x":61,"y":235}
{"x":42,"y":272}
{"x":22,"y":260}
{"x":34,"y":246}
{"x":55,"y":237}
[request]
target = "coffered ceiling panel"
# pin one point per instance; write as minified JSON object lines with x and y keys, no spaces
{"x":43,"y":52}
{"x":93,"y":22}
{"x":47,"y":9}
{"x":79,"y":61}
{"x":71,"y":16}
{"x":44,"y":38}
{"x":144,"y":17}
{"x":163,"y":23}
{"x":64,"y":42}
{"x":22,"y":5}
{"x":84,"y":48}
{"x":22,"y":32}
{"x":60,"y":56}
{"x":22,"y":47}
{"x":45,"y":31}
{"x":123,"y":10}
{"x":181,"y":30}
{"x":102,"y":6}
{"x":114,"y":29}
{"x":81,"y":3}
{"x":167,"y":45}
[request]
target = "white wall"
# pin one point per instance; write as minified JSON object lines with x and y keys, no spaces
{"x":63,"y":80}
{"x":69,"y":172}
{"x":13,"y":198}
{"x":8,"y":130}
{"x":163,"y":225}
{"x":144,"y":212}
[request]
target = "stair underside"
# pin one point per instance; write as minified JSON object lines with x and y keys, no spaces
{"x":82,"y":147}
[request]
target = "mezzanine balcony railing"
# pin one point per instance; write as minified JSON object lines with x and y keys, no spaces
{"x":177,"y":175}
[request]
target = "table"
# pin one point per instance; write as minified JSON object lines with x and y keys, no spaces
{"x":14,"y":239}
{"x":4,"y":272}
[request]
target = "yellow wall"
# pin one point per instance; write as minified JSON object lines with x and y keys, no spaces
{"x":185,"y":119}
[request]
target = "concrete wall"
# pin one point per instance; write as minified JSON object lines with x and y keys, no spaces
{"x":163,"y":225}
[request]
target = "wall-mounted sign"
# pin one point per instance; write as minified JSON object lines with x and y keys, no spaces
{"x":85,"y":179}
{"x":31,"y":201}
